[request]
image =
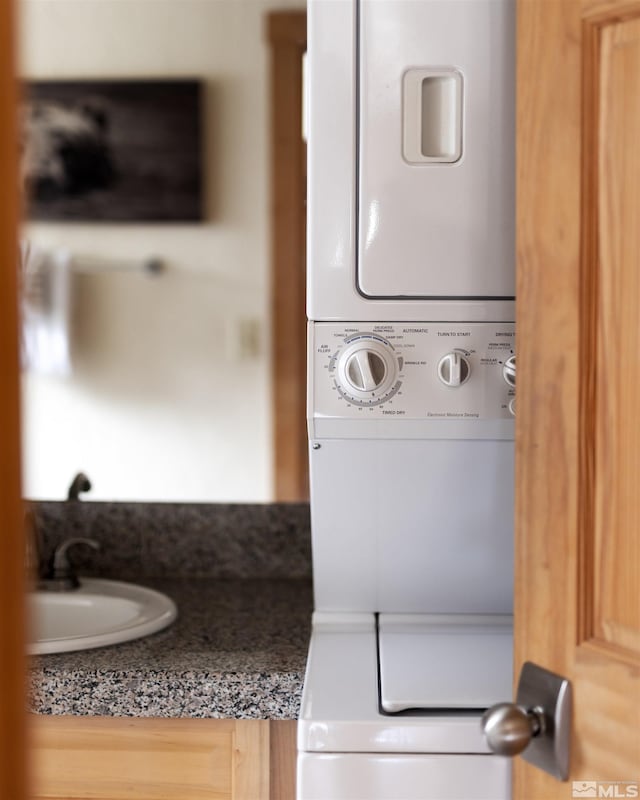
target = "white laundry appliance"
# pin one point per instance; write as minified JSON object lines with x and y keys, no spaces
{"x":411,"y":397}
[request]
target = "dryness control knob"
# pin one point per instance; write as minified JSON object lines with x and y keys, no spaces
{"x":365,"y":370}
{"x":509,"y":371}
{"x":454,"y":368}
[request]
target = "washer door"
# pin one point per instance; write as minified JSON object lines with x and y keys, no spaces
{"x":444,"y":662}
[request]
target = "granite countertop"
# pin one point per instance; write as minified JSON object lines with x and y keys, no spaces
{"x":241,"y":578}
{"x":238,"y":649}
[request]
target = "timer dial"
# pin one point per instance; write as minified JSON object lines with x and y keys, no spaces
{"x":366,"y":370}
{"x":454,"y":369}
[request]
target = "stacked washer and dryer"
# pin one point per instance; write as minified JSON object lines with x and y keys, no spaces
{"x":411,"y":397}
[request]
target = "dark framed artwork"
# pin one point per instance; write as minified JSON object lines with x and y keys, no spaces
{"x":113,"y":151}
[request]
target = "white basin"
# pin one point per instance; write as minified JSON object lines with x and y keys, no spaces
{"x":99,"y":613}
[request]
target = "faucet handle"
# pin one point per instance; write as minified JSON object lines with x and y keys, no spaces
{"x":61,"y":569}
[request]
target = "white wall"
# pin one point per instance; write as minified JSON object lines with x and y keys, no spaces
{"x":159,"y":406}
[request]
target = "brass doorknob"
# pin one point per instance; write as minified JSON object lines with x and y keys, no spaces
{"x":509,"y":728}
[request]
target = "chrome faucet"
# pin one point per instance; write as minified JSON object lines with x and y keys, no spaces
{"x":61,"y":576}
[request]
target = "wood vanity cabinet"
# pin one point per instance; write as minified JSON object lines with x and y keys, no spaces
{"x":122,"y":758}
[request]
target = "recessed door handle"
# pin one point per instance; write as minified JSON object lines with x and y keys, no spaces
{"x":432,"y":115}
{"x":538,"y":724}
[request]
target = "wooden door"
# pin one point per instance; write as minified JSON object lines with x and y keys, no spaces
{"x":577,"y":429}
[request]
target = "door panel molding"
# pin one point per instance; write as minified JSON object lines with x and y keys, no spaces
{"x":588,"y":313}
{"x":617,"y":446}
{"x":608,"y":559}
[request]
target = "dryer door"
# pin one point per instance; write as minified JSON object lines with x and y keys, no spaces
{"x":436,"y":149}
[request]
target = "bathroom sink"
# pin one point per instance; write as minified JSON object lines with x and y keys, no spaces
{"x":99,"y":613}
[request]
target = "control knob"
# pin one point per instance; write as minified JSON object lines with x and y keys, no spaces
{"x":509,"y":371}
{"x":454,"y":369}
{"x":366,"y":370}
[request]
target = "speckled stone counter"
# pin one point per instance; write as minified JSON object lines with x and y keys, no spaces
{"x":240,"y":575}
{"x":238,"y":649}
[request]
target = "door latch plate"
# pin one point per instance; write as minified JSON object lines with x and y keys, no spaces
{"x":550,"y":696}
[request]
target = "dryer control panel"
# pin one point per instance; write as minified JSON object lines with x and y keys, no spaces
{"x":441,"y":372}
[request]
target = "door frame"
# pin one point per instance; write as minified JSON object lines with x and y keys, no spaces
{"x":13,"y":666}
{"x":287,"y":36}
